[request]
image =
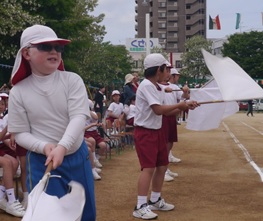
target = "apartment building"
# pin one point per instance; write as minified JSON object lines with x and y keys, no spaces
{"x":171,"y":21}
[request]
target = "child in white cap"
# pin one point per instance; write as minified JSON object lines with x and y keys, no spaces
{"x":48,"y":108}
{"x":149,"y":138}
{"x":115,"y":110}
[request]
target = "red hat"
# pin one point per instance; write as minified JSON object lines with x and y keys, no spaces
{"x":35,"y":34}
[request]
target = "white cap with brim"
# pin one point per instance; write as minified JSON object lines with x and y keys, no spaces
{"x":35,"y":34}
{"x":174,"y":71}
{"x":155,"y":60}
{"x":114,"y":92}
{"x":3,"y":96}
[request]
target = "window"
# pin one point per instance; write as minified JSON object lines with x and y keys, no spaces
{"x":178,"y":64}
{"x":163,"y":35}
{"x":162,"y":14}
{"x":162,"y":25}
{"x":188,"y":17}
{"x":188,"y":6}
{"x":163,"y":4}
{"x":188,"y":27}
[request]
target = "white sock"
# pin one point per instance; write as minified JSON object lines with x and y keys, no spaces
{"x":94,"y":156}
{"x":11,"y":195}
{"x":154,"y":196}
{"x":141,"y":200}
{"x":2,"y":192}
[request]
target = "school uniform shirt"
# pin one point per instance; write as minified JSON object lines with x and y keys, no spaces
{"x":174,"y":97}
{"x":148,"y":94}
{"x":49,"y":109}
{"x":130,"y":111}
{"x":3,"y":124}
{"x":90,"y":121}
{"x":116,"y":109}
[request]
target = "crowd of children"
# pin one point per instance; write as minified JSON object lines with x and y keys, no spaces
{"x":55,"y":121}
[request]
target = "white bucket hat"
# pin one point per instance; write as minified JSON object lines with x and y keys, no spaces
{"x":155,"y":60}
{"x":128,"y":78}
{"x":35,"y":34}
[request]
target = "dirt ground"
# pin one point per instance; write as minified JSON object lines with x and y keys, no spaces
{"x":216,"y":181}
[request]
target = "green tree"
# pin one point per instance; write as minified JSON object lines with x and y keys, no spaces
{"x":105,"y":63}
{"x":72,"y":19}
{"x":194,"y":66}
{"x":246,"y":49}
{"x":15,"y":16}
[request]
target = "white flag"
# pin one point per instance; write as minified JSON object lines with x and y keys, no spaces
{"x":209,"y":116}
{"x":234,"y":83}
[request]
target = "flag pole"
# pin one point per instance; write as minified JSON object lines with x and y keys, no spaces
{"x":211,"y":102}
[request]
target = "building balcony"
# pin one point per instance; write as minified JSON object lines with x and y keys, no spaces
{"x":172,"y":28}
{"x":172,"y":18}
{"x":172,"y":39}
{"x":172,"y":7}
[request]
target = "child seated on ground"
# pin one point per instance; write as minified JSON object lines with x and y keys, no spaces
{"x":91,"y":143}
{"x":9,"y":163}
{"x":91,"y":131}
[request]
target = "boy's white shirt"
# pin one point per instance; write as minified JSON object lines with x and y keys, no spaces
{"x":130,"y":111}
{"x":147,"y":95}
{"x":90,"y":121}
{"x":50,"y":109}
{"x":3,"y":123}
{"x":116,"y":109}
{"x":174,"y":96}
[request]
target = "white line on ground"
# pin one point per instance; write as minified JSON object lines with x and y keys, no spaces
{"x":245,"y":152}
{"x":261,"y":133}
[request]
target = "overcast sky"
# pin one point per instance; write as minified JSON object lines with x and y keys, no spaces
{"x":120,"y":17}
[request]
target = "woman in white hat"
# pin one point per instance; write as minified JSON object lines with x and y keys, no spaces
{"x":128,"y":89}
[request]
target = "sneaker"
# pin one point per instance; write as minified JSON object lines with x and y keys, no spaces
{"x":172,"y":174}
{"x":96,"y":176}
{"x":97,"y":164}
{"x":161,"y":205}
{"x":98,"y":170}
{"x":15,"y":209}
{"x":168,"y":178}
{"x":144,"y":212}
{"x":3,"y":203}
{"x":173,"y":159}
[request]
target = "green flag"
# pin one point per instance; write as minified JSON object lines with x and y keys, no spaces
{"x":238,"y":20}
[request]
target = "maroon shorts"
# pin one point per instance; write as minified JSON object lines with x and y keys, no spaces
{"x":130,"y":121}
{"x":20,"y":151}
{"x":169,"y":127}
{"x":6,"y":150}
{"x":94,"y":134}
{"x":150,"y":147}
{"x":111,"y":119}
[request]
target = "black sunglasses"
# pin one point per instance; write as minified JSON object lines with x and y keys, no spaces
{"x":48,"y":47}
